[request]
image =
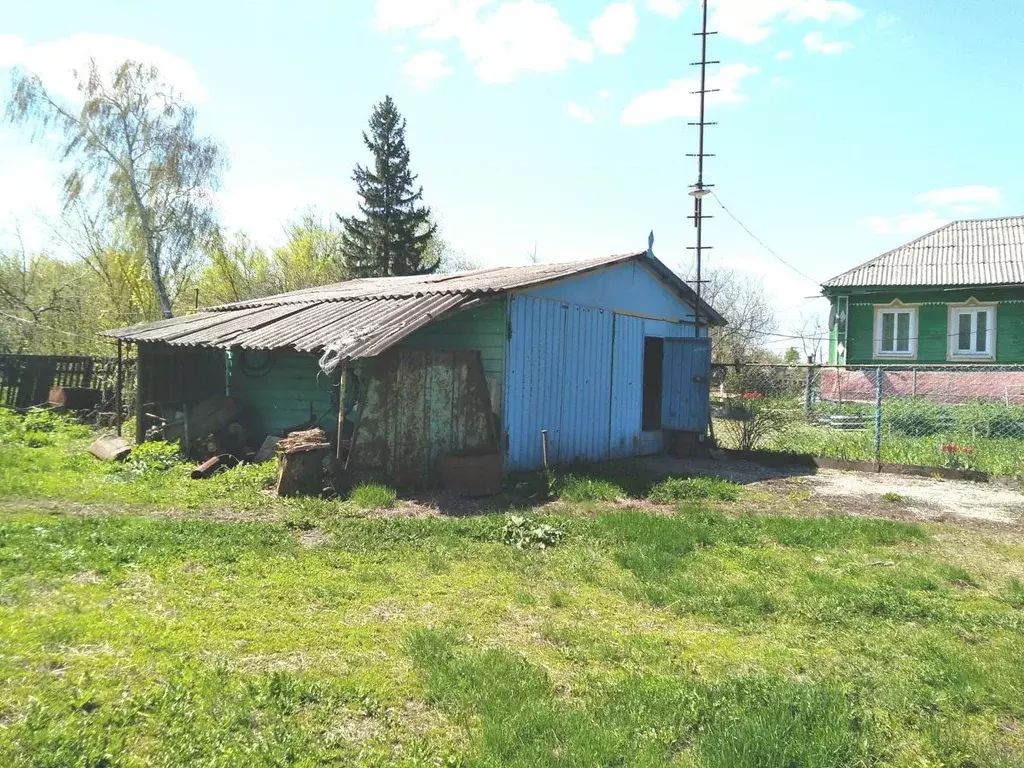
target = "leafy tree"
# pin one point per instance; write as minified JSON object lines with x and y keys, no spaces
{"x":133,"y":153}
{"x":393,"y":233}
{"x":311,"y":256}
{"x":47,"y":305}
{"x":237,"y":270}
{"x":743,"y":301}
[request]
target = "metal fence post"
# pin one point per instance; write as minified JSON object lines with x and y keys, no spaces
{"x":878,"y":419}
{"x":808,"y":385}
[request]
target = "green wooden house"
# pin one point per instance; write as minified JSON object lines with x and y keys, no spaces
{"x":953,"y":297}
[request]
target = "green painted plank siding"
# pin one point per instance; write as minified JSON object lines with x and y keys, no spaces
{"x":933,"y":325}
{"x":286,"y":395}
{"x":483,"y":328}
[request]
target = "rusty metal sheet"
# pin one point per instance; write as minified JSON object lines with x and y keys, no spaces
{"x":420,"y":405}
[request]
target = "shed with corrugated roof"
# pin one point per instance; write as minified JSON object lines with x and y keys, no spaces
{"x":582,"y":361}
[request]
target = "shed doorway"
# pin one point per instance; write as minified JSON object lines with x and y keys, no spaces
{"x":654,"y":367}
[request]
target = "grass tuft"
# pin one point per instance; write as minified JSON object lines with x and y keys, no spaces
{"x":676,"y":489}
{"x":892,"y":497}
{"x":576,"y":488}
{"x":371,"y":496}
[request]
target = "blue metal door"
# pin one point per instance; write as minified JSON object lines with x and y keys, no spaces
{"x":687,"y":373}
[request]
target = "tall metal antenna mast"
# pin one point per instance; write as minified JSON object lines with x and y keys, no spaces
{"x":700,"y":190}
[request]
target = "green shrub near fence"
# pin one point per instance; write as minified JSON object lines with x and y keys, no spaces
{"x":914,"y":430}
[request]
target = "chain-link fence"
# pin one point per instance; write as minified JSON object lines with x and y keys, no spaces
{"x":942,"y":416}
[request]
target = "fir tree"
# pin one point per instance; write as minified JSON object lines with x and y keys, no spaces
{"x":392,"y":235}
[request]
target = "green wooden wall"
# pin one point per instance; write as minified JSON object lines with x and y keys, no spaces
{"x":933,"y":322}
{"x":483,"y":328}
{"x":286,"y":395}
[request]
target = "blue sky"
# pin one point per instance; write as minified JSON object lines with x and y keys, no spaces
{"x":844,"y":127}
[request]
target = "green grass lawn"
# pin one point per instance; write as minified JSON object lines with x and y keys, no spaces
{"x":689,"y":635}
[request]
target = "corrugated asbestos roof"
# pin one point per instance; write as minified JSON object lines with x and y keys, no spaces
{"x":981,"y":252}
{"x":362,"y":318}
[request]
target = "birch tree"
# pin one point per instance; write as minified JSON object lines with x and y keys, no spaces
{"x":131,"y":152}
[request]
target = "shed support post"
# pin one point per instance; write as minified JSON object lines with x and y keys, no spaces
{"x":118,"y":416}
{"x":341,"y":408}
{"x":878,"y":419}
{"x":140,"y":415}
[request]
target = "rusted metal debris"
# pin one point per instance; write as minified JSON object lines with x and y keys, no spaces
{"x":207,"y":468}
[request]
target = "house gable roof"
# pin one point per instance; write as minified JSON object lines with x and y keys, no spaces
{"x":964,"y":253}
{"x":362,"y":318}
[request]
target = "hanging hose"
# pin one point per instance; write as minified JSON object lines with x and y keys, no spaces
{"x":256,"y":371}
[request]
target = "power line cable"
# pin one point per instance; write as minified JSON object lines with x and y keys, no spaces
{"x":761,"y":242}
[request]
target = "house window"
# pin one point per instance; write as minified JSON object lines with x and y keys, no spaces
{"x":972,"y":331}
{"x":895,"y":332}
{"x":654,"y":366}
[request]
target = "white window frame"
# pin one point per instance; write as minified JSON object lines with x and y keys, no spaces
{"x":897,"y":308}
{"x":972,"y":307}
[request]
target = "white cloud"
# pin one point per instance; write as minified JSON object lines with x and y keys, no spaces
{"x":677,"y":100}
{"x":750,"y":20}
{"x":604,"y":93}
{"x":519,"y":36}
{"x":783,"y":56}
{"x":55,"y":61}
{"x":409,"y":14}
{"x":580,"y":113}
{"x":615,"y":28}
{"x":815,"y":43}
{"x":426,"y":67}
{"x":905,"y":224}
{"x":780,"y":82}
{"x":970,"y":194}
{"x":671,"y":8}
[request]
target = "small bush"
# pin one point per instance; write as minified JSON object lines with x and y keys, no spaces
{"x":154,"y":456}
{"x":371,"y":496}
{"x":39,"y":428}
{"x":522,"y":533}
{"x":754,"y":422}
{"x":581,"y":488}
{"x":694,"y":489}
{"x":892,"y":498}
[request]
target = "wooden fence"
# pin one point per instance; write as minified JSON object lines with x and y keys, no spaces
{"x":26,"y":380}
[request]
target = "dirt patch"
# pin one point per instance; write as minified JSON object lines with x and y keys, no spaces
{"x":925,"y":499}
{"x":828,"y":491}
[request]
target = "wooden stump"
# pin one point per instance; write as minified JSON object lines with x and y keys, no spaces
{"x":301,"y":473}
{"x":300,"y":468}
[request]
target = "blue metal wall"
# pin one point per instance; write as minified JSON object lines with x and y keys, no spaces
{"x":534,"y":390}
{"x":575,"y":366}
{"x":629,"y":288}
